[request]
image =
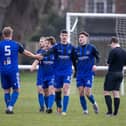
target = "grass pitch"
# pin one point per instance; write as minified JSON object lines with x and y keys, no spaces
{"x":26,"y":108}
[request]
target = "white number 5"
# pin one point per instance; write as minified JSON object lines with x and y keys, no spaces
{"x":7,"y":50}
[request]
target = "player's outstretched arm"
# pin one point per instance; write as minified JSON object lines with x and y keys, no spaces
{"x":30,"y":54}
{"x":34,"y":65}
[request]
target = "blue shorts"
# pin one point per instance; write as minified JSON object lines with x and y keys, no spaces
{"x":39,"y":77}
{"x":61,"y":79}
{"x":85,"y":81}
{"x":48,"y":82}
{"x":45,"y":82}
{"x":10,"y":79}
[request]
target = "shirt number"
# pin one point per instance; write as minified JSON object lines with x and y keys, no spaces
{"x":7,"y":50}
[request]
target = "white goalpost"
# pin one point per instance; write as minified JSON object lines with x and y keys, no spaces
{"x":72,"y":20}
{"x":100,"y":26}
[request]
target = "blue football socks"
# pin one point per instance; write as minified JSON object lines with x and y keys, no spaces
{"x":41,"y":100}
{"x":51,"y":100}
{"x":91,"y":99}
{"x":65,"y":103}
{"x":7,"y":98}
{"x":83,"y":103}
{"x":14,"y":98}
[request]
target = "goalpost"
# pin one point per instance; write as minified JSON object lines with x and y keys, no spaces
{"x":101,"y":27}
{"x":118,"y":22}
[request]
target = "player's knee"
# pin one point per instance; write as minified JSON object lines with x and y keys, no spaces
{"x":116,"y":94}
{"x":106,"y":93}
{"x":46,"y":93}
{"x":7,"y":90}
{"x":66,"y":91}
{"x":51,"y":90}
{"x":16,"y":90}
{"x":81,"y":93}
{"x":40,"y":90}
{"x":88,"y":93}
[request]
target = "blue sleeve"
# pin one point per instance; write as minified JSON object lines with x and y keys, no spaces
{"x":39,"y":51}
{"x":96,"y":55}
{"x":21,"y":48}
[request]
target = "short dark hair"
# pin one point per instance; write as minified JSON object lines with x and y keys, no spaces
{"x":114,"y":40}
{"x":63,"y":31}
{"x":84,"y":33}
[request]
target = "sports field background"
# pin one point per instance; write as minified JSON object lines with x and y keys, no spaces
{"x":26,"y":109}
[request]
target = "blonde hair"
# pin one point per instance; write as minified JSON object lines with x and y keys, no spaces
{"x":42,"y":38}
{"x":7,"y":31}
{"x":51,"y":39}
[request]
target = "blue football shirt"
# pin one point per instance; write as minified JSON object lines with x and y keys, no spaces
{"x":9,"y":55}
{"x":86,"y":56}
{"x":46,"y":65}
{"x":63,"y":61}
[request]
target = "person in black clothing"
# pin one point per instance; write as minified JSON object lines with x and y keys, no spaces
{"x":114,"y":76}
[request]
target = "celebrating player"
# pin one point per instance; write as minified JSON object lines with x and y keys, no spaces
{"x":63,"y":52}
{"x":39,"y":83}
{"x":9,"y":67}
{"x":85,"y":55}
{"x":46,"y":77}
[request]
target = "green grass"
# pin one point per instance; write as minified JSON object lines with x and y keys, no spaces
{"x":26,"y":108}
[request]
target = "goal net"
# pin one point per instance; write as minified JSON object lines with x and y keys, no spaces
{"x":101,"y":27}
